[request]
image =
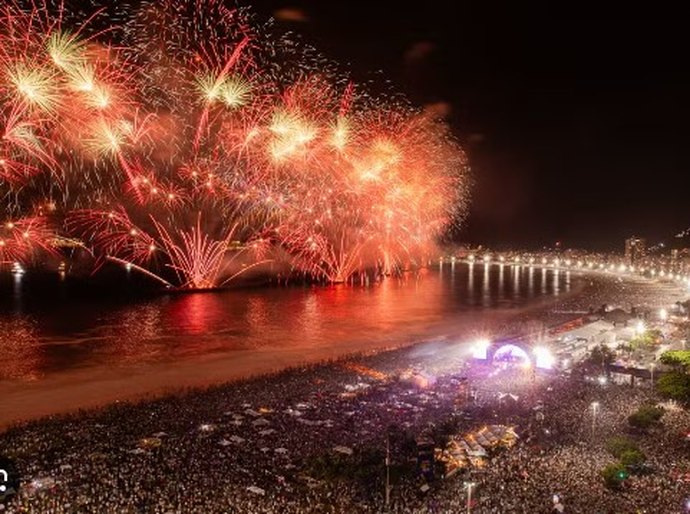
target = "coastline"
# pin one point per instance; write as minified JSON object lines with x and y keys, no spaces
{"x":263,"y":442}
{"x":94,"y":388}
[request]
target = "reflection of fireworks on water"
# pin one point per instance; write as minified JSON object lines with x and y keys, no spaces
{"x":183,"y":103}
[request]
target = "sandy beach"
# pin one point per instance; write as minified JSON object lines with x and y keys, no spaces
{"x":92,"y":387}
{"x":95,"y":386}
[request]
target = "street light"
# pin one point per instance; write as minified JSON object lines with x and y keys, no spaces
{"x":469,"y":486}
{"x":388,"y":468}
{"x":595,"y":409}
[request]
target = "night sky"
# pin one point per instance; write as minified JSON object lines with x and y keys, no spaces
{"x":577,"y":130}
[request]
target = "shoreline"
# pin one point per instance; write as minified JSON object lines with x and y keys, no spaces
{"x":87,"y":389}
{"x":96,"y":388}
{"x":269,"y":442}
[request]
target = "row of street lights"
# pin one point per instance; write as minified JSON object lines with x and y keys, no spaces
{"x":580,"y":264}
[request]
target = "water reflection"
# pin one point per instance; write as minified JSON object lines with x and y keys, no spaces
{"x":19,"y":346}
{"x":530,"y":282}
{"x":556,"y":283}
{"x":486,"y":290}
{"x":516,"y":282}
{"x":196,"y":313}
{"x":70,"y":334}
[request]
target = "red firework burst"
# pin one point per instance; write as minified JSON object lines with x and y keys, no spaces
{"x":206,"y":138}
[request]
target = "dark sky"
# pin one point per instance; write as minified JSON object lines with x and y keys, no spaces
{"x":577,"y":130}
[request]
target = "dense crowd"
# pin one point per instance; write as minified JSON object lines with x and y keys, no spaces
{"x":253,"y":446}
{"x":288,"y":443}
{"x":564,"y":453}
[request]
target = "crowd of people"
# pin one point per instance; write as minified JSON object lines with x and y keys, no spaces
{"x":563,"y":453}
{"x":260,"y":445}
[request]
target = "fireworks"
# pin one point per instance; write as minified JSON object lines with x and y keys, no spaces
{"x":187,"y":142}
{"x":191,"y":243}
{"x":22,"y":240}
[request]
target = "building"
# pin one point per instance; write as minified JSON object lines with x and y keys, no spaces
{"x":680,"y":260}
{"x":680,"y":255}
{"x":635,"y":249}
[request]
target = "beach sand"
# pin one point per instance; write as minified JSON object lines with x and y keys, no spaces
{"x":97,"y":386}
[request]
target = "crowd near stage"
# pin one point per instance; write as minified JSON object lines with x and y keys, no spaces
{"x":314,"y":439}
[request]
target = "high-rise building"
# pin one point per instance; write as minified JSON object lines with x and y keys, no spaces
{"x":635,"y":249}
{"x":680,"y":259}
